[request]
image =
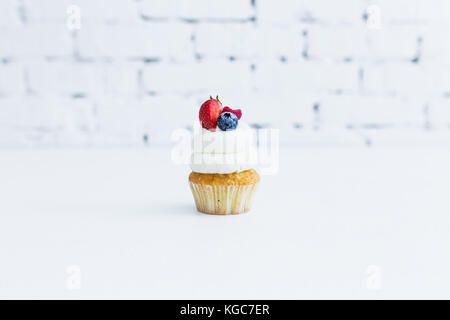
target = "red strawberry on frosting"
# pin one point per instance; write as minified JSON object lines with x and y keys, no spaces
{"x":209,"y":111}
{"x":237,"y":112}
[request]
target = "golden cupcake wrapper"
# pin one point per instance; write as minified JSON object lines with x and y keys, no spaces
{"x":223,"y":199}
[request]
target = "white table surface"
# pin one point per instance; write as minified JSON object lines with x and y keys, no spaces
{"x":126,"y":218}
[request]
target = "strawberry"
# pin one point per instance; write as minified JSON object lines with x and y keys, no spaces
{"x":209,"y":111}
{"x":237,"y":112}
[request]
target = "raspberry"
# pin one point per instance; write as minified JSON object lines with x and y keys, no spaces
{"x":237,"y":112}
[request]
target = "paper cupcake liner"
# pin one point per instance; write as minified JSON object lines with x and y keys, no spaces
{"x":223,"y":199}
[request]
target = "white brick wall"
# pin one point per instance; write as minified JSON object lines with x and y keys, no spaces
{"x":138,"y":69}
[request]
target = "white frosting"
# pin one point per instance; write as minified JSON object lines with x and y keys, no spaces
{"x":223,"y":151}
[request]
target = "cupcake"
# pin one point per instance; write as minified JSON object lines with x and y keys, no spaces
{"x":223,"y":179}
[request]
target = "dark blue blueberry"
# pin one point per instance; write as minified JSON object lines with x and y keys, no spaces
{"x":227,"y":121}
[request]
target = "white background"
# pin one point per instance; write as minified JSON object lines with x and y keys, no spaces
{"x":92,"y":205}
{"x":316,"y":229}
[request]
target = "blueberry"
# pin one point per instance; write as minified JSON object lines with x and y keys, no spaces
{"x":227,"y":121}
